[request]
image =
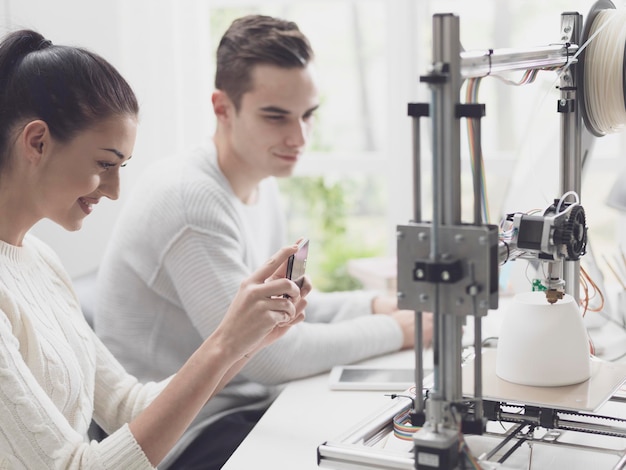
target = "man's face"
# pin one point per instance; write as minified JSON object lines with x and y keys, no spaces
{"x":271,"y":129}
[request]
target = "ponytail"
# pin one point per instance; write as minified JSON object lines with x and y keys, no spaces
{"x":16,"y":46}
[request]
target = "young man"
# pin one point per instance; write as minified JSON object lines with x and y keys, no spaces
{"x":194,"y":228}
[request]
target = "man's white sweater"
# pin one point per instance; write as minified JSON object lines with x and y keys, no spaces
{"x":181,"y":247}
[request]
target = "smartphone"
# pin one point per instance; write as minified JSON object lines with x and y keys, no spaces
{"x":296,"y":265}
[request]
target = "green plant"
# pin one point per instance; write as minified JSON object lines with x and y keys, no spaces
{"x":325,"y":209}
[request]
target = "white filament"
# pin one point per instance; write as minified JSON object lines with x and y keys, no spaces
{"x":604,"y":72}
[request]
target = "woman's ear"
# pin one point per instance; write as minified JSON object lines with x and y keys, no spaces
{"x":34,"y":139}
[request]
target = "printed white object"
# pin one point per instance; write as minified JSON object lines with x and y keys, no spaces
{"x":543,"y":344}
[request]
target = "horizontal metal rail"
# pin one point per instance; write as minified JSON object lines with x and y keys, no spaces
{"x":481,"y":63}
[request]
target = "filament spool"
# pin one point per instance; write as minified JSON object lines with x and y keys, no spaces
{"x":601,"y":71}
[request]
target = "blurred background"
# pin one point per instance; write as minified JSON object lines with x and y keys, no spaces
{"x":354,"y":184}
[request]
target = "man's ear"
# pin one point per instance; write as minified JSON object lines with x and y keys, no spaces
{"x":222,"y":105}
{"x":34,"y":139}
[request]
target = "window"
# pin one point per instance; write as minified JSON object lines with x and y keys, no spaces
{"x":370,"y":54}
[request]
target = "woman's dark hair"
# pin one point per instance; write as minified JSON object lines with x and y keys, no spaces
{"x":257,"y":39}
{"x":69,"y":88}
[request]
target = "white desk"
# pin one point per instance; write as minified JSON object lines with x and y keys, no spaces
{"x":307,"y":414}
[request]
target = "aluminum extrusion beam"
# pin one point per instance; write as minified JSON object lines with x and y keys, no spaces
{"x":481,"y":63}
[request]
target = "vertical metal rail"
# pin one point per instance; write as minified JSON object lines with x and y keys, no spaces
{"x":478,"y":184}
{"x":446,"y":192}
{"x":416,"y":111}
{"x":437,"y":443}
{"x":571,"y":127}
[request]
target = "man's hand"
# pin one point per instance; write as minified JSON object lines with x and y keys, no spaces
{"x":406,"y":320}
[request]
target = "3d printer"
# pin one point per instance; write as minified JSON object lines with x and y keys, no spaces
{"x":450,"y":268}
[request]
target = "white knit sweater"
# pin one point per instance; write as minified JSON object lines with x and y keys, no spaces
{"x":55,"y":374}
{"x":181,"y":247}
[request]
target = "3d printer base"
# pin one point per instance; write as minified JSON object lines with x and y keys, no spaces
{"x":605,"y":380}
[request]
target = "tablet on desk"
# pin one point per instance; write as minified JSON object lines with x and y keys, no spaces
{"x":371,"y":378}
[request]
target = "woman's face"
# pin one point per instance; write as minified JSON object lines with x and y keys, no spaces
{"x":75,"y":175}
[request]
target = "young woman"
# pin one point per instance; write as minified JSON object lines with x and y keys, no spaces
{"x":67,"y":124}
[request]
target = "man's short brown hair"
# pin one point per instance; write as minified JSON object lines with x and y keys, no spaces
{"x":257,"y":39}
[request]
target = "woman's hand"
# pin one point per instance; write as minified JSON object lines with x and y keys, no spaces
{"x":265,"y":307}
{"x":282,"y":328}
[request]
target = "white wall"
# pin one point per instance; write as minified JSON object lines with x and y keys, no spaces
{"x":156,"y":44}
{"x":160,"y":44}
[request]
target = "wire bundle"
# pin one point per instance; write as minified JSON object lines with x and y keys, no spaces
{"x":604,"y":72}
{"x":402,"y":427}
{"x":471,"y":96}
{"x":472,"y":134}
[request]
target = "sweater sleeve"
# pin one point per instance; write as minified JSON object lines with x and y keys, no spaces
{"x":309,"y":349}
{"x":205,"y":269}
{"x":118,"y":396}
{"x":328,"y":307}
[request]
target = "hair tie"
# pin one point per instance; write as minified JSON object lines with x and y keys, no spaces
{"x":44,"y":44}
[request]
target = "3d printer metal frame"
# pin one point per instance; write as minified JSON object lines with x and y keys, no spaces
{"x":444,"y":264}
{"x":355,"y":449}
